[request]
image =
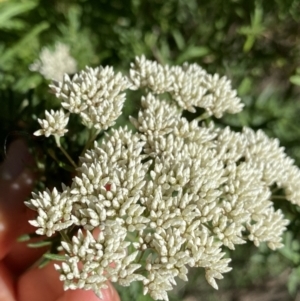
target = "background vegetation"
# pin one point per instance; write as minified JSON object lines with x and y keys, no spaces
{"x":254,"y":43}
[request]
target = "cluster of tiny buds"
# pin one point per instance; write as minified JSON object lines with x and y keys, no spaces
{"x":54,"y":124}
{"x":172,"y":194}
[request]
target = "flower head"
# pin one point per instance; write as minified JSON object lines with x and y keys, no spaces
{"x":94,"y":94}
{"x":172,"y":195}
{"x":189,"y":85}
{"x":54,"y":124}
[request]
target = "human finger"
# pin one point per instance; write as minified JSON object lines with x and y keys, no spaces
{"x":44,"y":284}
{"x":40,"y":284}
{"x":109,"y":294}
{"x":16,"y":182}
{"x":6,"y":284}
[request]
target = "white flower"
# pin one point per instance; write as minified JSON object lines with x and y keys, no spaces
{"x":54,"y":211}
{"x":54,"y":124}
{"x":103,"y":258}
{"x":53,"y":64}
{"x":189,"y":85}
{"x":175,"y":192}
{"x":94,"y":94}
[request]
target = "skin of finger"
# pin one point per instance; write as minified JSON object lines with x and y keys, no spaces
{"x":40,"y":284}
{"x":21,"y":257}
{"x":13,"y":212}
{"x":44,"y":284}
{"x":6,"y":284}
{"x":16,"y":182}
{"x":109,"y":294}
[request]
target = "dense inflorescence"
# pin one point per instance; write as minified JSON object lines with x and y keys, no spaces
{"x":53,"y":64}
{"x":171,"y":195}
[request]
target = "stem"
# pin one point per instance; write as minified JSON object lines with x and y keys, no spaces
{"x":64,"y":236}
{"x":203,"y":116}
{"x":275,"y":190}
{"x":139,"y":256}
{"x":67,"y":156}
{"x":92,"y":136}
{"x":64,"y":152}
{"x":278,"y":197}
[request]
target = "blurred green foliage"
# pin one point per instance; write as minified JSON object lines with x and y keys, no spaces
{"x":254,"y":43}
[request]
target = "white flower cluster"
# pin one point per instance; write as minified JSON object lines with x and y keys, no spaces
{"x":54,"y":210}
{"x":53,"y":64}
{"x":54,"y":124}
{"x":189,"y":85}
{"x":170,"y":196}
{"x":94,"y":94}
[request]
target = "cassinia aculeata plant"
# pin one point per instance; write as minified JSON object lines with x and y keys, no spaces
{"x":146,"y":205}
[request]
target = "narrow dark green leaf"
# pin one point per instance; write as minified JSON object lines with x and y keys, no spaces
{"x":39,"y":244}
{"x":179,"y":39}
{"x":192,"y":52}
{"x":43,"y":262}
{"x":27,"y":236}
{"x":55,"y":256}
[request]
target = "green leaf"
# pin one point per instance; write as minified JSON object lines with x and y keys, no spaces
{"x":257,"y":18}
{"x":253,"y":31}
{"x":28,"y":82}
{"x":10,"y":10}
{"x":245,"y":86}
{"x":191,"y":53}
{"x":24,"y":42}
{"x":150,"y":39}
{"x":249,"y":43}
{"x":294,"y":281}
{"x":179,"y":39}
{"x":54,"y":256}
{"x":14,"y":24}
{"x":26,"y":237}
{"x":295,"y":79}
{"x":39,"y":244}
{"x":43,"y":262}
